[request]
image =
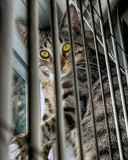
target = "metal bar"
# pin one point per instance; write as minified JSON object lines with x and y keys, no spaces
{"x":60,"y":136}
{"x":116,"y":42}
{"x":117,"y":66}
{"x":86,"y":21}
{"x":98,"y":39}
{"x":6,"y":21}
{"x":33,"y":81}
{"x":86,"y":8}
{"x":96,"y":12}
{"x":89,"y":80}
{"x":108,"y":30}
{"x":90,"y":16}
{"x":76,"y":89}
{"x":122,"y":45}
{"x":101,"y":83}
{"x":27,"y":117}
{"x":110,"y":83}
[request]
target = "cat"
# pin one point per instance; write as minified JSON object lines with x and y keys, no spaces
{"x":19,"y":146}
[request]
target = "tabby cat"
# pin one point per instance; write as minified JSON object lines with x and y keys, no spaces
{"x":19,"y":147}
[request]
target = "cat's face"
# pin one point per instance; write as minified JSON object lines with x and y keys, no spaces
{"x":46,"y":48}
{"x":46,"y":59}
{"x":46,"y":55}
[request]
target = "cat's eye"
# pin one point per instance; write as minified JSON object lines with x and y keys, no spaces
{"x":45,"y":54}
{"x":66,"y":47}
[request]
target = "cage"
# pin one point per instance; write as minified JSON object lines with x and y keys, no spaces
{"x":74,"y":128}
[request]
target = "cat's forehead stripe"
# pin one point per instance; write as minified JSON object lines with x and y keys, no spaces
{"x":49,"y":40}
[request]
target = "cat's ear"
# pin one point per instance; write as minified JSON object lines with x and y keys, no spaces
{"x":23,"y":31}
{"x":74,"y":19}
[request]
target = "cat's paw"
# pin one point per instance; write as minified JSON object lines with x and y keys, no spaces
{"x":18,"y":148}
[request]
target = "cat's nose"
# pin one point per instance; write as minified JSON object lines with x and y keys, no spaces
{"x":62,"y":61}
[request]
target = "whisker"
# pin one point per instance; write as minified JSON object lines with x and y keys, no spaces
{"x":94,"y":73}
{"x":80,"y":67}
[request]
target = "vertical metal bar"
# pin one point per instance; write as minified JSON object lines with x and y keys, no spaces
{"x":122,"y":45}
{"x":27,"y":113}
{"x":100,"y":78}
{"x":117,"y":66}
{"x":33,"y":81}
{"x":6,"y":21}
{"x":60,"y":137}
{"x":110,"y":83}
{"x":76,"y":89}
{"x":89,"y":81}
{"x":86,"y":21}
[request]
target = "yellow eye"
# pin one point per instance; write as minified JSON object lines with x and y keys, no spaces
{"x":44,"y":54}
{"x":66,"y":47}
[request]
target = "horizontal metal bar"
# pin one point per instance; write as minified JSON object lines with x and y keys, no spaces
{"x":6,"y":21}
{"x":101,"y":83}
{"x":60,"y":136}
{"x":76,"y":89}
{"x":33,"y":81}
{"x":110,"y":83}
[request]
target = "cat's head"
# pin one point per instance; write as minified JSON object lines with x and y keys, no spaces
{"x":46,"y":48}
